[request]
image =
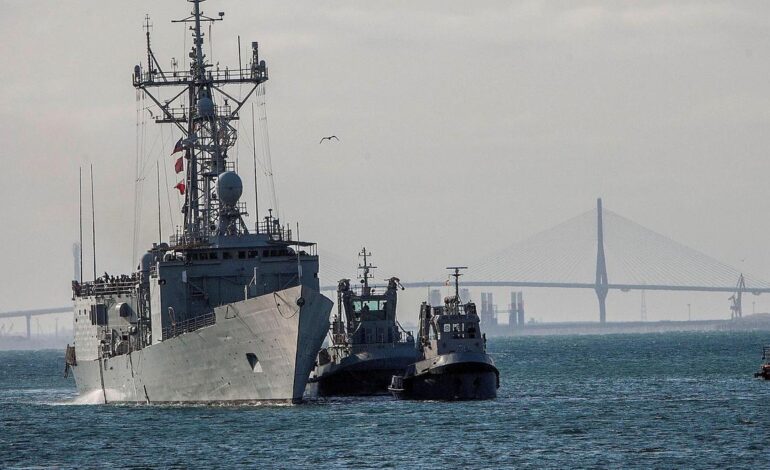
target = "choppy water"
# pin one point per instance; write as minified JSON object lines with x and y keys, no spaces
{"x":658,"y":400}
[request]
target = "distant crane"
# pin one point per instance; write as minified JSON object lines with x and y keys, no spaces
{"x":736,"y":304}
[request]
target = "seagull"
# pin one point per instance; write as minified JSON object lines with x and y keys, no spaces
{"x":328,"y":138}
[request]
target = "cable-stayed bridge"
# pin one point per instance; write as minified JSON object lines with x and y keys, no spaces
{"x":602,"y":250}
{"x":599,"y":250}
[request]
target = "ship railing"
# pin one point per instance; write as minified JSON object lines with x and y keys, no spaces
{"x":181,"y":238}
{"x":180,"y":114}
{"x":241,"y":208}
{"x":405,"y":338}
{"x":274,"y":230}
{"x":102,"y":288}
{"x":191,"y":324}
{"x":256,"y":74}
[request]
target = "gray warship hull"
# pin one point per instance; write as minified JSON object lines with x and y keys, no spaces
{"x":260,"y":349}
{"x":453,"y":376}
{"x":364,"y":373}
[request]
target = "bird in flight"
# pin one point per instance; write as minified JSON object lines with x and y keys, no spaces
{"x":328,"y":138}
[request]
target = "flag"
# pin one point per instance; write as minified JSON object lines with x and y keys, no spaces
{"x":180,"y":186}
{"x":179,"y":165}
{"x":178,"y":147}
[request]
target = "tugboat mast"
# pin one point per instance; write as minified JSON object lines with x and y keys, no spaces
{"x":211,"y":205}
{"x":366,"y":267}
{"x":456,"y":274}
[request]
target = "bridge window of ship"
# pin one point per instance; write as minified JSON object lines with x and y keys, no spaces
{"x":227,"y":255}
{"x":241,"y":255}
{"x":366,"y":305}
{"x":253,"y":254}
{"x":213,"y":255}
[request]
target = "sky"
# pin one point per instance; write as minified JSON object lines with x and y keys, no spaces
{"x":462,"y":130}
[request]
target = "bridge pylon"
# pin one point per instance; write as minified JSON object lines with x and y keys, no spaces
{"x":602,"y":285}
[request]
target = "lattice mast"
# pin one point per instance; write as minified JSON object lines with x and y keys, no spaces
{"x":205,"y":124}
{"x":365,"y":275}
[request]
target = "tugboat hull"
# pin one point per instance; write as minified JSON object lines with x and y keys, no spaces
{"x":362,"y":374}
{"x":356,"y":383}
{"x":456,"y":376}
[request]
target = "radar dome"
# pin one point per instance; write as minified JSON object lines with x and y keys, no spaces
{"x":229,"y":188}
{"x":205,"y":107}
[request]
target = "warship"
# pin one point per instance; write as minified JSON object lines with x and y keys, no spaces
{"x":452,"y":361}
{"x":221,"y":312}
{"x":368,"y":345}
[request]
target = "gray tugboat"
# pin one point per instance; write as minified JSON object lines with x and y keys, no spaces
{"x":222,"y":312}
{"x":452,"y":363}
{"x":368,"y":344}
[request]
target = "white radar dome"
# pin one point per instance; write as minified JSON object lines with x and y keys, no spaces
{"x":229,"y":188}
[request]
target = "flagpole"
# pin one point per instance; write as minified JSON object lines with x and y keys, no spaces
{"x":93,"y":219}
{"x":160,"y":234}
{"x":80,"y":207}
{"x":254,"y":155}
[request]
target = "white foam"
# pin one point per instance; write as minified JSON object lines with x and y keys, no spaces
{"x":94,"y":397}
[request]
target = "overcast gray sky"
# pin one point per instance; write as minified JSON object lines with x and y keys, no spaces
{"x":464,"y":127}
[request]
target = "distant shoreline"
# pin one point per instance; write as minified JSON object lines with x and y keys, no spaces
{"x":755,"y":322}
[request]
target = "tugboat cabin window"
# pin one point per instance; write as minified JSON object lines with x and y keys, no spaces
{"x":366,"y":306}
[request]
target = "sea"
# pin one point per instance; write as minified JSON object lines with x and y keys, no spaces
{"x":668,"y":400}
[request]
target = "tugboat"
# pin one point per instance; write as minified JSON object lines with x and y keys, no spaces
{"x":368,"y":344}
{"x":764,"y":369}
{"x":452,"y":361}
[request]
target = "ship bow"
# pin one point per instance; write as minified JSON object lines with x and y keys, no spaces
{"x":313,"y":326}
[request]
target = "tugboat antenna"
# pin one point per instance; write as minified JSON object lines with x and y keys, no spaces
{"x":456,"y":274}
{"x":366,"y":267}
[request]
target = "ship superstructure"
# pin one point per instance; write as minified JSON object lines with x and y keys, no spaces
{"x":222,"y":312}
{"x":368,"y":345}
{"x":452,"y":361}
